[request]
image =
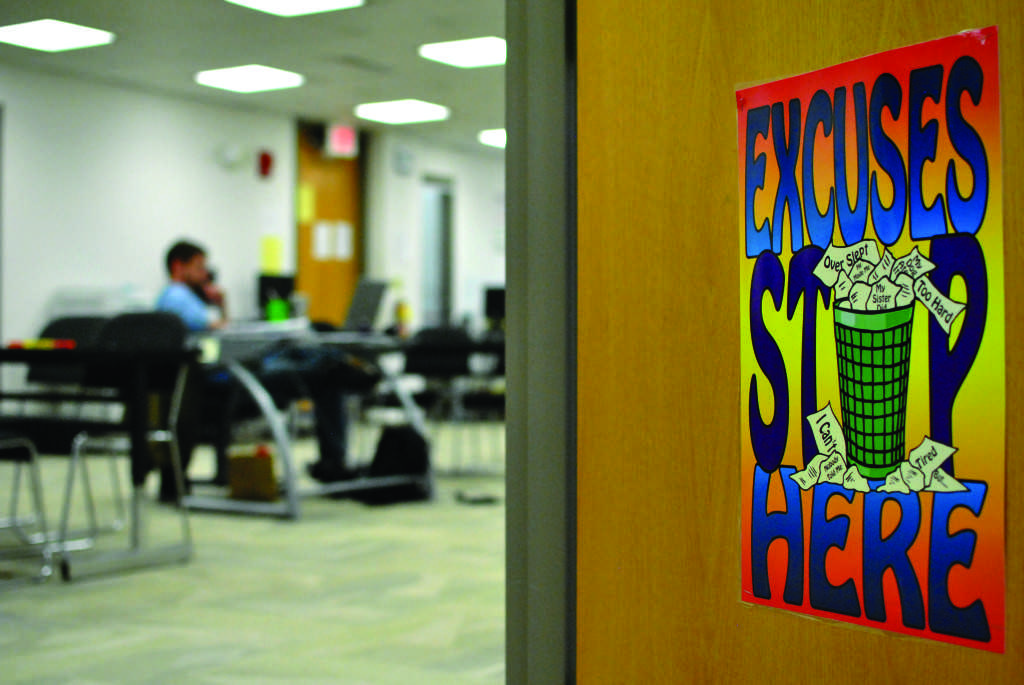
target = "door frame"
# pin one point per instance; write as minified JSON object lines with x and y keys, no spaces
{"x":541,"y":342}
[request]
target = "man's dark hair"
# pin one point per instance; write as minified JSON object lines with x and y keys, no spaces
{"x":182,"y":251}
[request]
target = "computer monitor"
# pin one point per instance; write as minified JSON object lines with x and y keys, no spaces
{"x":494,"y":306}
{"x":365,"y":306}
{"x":273,"y":287}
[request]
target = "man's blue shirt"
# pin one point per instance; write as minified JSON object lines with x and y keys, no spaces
{"x":179,"y":298}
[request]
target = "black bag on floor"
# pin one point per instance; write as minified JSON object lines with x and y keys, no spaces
{"x":401,"y":451}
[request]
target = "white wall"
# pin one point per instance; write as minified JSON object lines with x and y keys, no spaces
{"x":98,"y":181}
{"x":395,"y":167}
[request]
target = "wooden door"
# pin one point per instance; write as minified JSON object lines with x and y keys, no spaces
{"x":329,"y":236}
{"x":658,"y":481}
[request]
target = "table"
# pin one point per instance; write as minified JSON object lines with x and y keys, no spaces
{"x":238,"y":350}
{"x":131,"y":372}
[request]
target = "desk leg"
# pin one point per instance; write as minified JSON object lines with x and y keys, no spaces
{"x":412,"y":412}
{"x":290,"y":507}
{"x":415,"y":417}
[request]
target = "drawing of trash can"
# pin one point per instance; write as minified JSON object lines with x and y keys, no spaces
{"x":873,"y":356}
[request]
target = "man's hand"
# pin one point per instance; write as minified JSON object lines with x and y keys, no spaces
{"x":214,"y":295}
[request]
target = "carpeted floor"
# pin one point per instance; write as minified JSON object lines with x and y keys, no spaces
{"x":409,"y":593}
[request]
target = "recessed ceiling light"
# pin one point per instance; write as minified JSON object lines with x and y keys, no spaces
{"x":251,"y":78}
{"x":401,"y":112}
{"x":51,"y":35}
{"x":294,"y":8}
{"x":495,"y":137}
{"x":473,"y":52}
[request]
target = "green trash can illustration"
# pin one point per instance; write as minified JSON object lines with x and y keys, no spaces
{"x":873,"y":355}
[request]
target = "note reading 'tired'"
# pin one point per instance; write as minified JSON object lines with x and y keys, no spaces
{"x":828,"y":434}
{"x":929,"y":456}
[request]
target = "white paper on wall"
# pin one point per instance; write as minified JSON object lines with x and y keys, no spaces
{"x":323,"y":241}
{"x":343,"y":241}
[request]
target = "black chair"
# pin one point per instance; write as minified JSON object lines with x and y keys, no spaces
{"x":152,"y":385}
{"x":21,"y":453}
{"x":485,"y":398}
{"x":133,"y":376}
{"x":441,"y":356}
{"x":84,"y":331}
{"x":445,"y":357}
{"x":55,"y":407}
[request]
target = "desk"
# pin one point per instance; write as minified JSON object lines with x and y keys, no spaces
{"x":237,"y":351}
{"x":131,"y":371}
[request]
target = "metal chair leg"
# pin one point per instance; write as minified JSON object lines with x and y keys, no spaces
{"x":139,"y":553}
{"x":90,"y":501}
{"x":120,"y":514}
{"x":65,"y":516}
{"x":40,"y":541}
{"x":44,"y":536}
{"x":16,"y":522}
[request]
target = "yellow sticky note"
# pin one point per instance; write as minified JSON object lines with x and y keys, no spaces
{"x":271,"y":254}
{"x":305,"y":203}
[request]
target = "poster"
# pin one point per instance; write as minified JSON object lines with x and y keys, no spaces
{"x":873,"y":342}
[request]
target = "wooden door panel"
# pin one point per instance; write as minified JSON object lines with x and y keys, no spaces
{"x":332,"y":189}
{"x":658,"y":482}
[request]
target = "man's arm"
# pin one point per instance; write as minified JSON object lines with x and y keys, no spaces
{"x":187,"y":305}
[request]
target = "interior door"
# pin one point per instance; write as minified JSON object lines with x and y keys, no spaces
{"x":329,"y":234}
{"x":658,"y":482}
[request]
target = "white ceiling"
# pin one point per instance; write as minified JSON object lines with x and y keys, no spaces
{"x":366,"y":54}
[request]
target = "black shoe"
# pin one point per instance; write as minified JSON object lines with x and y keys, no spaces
{"x":169,"y":493}
{"x":168,"y":498}
{"x":330,"y":472}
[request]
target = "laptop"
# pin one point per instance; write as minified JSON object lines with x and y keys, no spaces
{"x":365,"y":306}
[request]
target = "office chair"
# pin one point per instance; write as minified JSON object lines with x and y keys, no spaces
{"x":156,"y":341}
{"x":443,"y":357}
{"x":55,"y":408}
{"x":21,"y":453}
{"x":84,"y":330}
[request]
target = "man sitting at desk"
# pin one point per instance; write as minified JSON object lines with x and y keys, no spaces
{"x":323,"y":371}
{"x":192,"y":294}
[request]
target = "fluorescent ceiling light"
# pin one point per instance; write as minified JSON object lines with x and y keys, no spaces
{"x":51,"y":35}
{"x":401,"y":112}
{"x":294,"y":8}
{"x":473,"y":52}
{"x":495,"y":137}
{"x":251,"y":78}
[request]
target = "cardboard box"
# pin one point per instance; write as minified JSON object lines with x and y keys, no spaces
{"x":251,"y":474}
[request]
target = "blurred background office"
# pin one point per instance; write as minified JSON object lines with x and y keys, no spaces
{"x":112,"y":152}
